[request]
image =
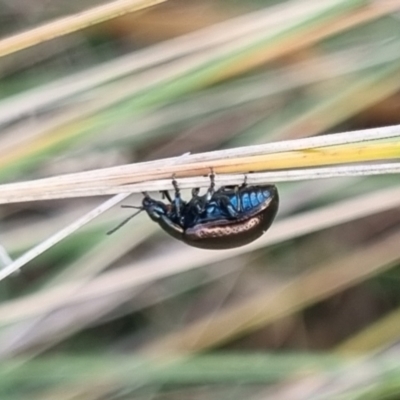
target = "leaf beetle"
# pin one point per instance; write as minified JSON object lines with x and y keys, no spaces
{"x":229,"y":217}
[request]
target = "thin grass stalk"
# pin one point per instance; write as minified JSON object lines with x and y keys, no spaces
{"x":71,"y":24}
{"x":288,"y":154}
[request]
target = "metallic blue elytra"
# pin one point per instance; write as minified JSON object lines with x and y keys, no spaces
{"x":221,"y":219}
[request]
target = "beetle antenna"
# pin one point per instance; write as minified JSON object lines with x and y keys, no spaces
{"x":125,"y":220}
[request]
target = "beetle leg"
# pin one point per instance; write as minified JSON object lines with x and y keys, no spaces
{"x":211,"y":188}
{"x":244,"y":184}
{"x":212,"y":181}
{"x":197,"y":202}
{"x":230,"y":209}
{"x":175,"y":185}
{"x":227,"y":206}
{"x":195,"y":192}
{"x":200,"y":205}
{"x":238,"y":199}
{"x":177,"y":200}
{"x":165,"y":195}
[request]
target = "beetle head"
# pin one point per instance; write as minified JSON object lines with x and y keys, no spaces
{"x":154,"y":208}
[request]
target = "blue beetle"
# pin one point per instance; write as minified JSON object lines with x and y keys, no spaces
{"x":221,"y":219}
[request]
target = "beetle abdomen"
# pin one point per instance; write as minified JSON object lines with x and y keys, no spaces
{"x":226,"y":234}
{"x":223,"y":235}
{"x":250,"y":198}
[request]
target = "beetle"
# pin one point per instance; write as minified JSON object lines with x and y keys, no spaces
{"x":229,"y":217}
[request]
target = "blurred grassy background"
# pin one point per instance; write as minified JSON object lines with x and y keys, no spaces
{"x":312,"y":312}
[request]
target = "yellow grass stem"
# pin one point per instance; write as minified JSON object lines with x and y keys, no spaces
{"x":377,"y":336}
{"x":71,"y":24}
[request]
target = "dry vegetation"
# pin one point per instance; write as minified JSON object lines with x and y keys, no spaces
{"x":115,"y":95}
